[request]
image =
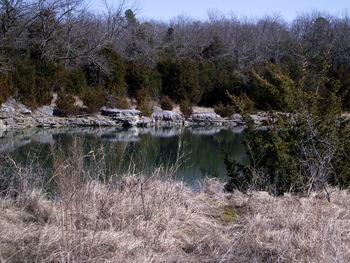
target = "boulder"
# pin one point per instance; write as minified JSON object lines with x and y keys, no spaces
{"x":167,"y":116}
{"x":209,"y":116}
{"x":236,"y":117}
{"x":4,"y":115}
{"x":6,"y":111}
{"x":79,"y":122}
{"x":206,"y":119}
{"x":258,"y":119}
{"x":10,"y":122}
{"x":104,"y":123}
{"x":25,"y":111}
{"x":46,"y":110}
{"x":46,"y":122}
{"x":119,"y":113}
{"x":145,"y":122}
{"x":127,"y":118}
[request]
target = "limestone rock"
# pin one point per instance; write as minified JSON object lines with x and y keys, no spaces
{"x":46,"y":122}
{"x":237,"y":118}
{"x":105,"y":123}
{"x":25,"y":111}
{"x":209,"y":116}
{"x":206,"y":119}
{"x":4,"y":115}
{"x":119,"y":113}
{"x":127,"y":118}
{"x":258,"y":119}
{"x":6,"y":111}
{"x":79,"y":122}
{"x":10,"y":122}
{"x":166,"y":116}
{"x":145,"y":122}
{"x":46,"y":110}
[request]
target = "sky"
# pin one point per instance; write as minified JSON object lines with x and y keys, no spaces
{"x":165,"y":10}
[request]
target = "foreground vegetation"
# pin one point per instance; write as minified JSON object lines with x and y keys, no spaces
{"x":155,"y":219}
{"x":85,"y":217}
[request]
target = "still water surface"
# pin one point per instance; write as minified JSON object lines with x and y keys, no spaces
{"x":199,"y":151}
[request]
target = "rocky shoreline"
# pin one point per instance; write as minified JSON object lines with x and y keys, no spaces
{"x":15,"y":115}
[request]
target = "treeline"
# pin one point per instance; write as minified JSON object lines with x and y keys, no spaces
{"x":59,"y":46}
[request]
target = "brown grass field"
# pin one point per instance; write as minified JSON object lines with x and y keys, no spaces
{"x":134,"y":218}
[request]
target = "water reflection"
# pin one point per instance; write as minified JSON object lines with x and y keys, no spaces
{"x":201,"y":149}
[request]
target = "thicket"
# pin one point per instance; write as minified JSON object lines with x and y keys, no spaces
{"x":140,"y":76}
{"x":224,"y":110}
{"x":58,"y":46}
{"x":307,"y":148}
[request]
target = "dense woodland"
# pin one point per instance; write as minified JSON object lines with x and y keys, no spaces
{"x":60,"y":46}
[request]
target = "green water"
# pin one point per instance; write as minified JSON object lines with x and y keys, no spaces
{"x":197,"y":152}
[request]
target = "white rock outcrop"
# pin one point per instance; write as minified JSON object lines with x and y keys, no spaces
{"x":166,"y":116}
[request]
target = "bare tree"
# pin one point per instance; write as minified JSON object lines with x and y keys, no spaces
{"x":11,"y":11}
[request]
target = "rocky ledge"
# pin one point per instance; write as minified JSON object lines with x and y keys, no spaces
{"x":15,"y":115}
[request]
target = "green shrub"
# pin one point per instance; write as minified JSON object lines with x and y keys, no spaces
{"x":247,"y":103}
{"x":305,"y":150}
{"x":77,"y":82}
{"x":224,"y":110}
{"x":35,"y":83}
{"x":186,"y":108}
{"x":72,"y":82}
{"x":166,"y":103}
{"x":140,"y":76}
{"x":217,"y":79}
{"x":115,"y":79}
{"x":180,"y":79}
{"x":271,"y":88}
{"x":65,"y":103}
{"x":243,"y":103}
{"x":94,"y":98}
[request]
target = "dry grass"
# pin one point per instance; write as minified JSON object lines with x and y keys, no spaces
{"x":290,"y":229}
{"x":155,"y":219}
{"x":134,"y":220}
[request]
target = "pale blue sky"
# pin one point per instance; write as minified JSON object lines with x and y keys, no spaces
{"x":198,"y":9}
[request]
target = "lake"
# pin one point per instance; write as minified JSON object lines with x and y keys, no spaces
{"x":197,"y":152}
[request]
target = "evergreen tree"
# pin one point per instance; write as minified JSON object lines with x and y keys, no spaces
{"x":304,"y":150}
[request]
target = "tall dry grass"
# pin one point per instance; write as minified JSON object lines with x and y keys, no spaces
{"x":133,"y":218}
{"x":293,"y":229}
